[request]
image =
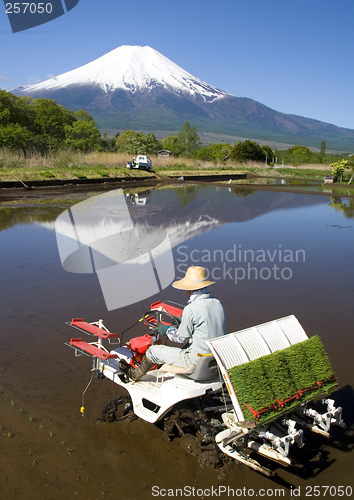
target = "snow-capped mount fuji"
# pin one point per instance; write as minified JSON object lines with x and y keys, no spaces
{"x":138,"y":88}
{"x":134,"y":69}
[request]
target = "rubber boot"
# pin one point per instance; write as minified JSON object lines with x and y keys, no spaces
{"x":136,"y":373}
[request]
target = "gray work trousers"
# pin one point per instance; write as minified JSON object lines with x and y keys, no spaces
{"x":160,"y":354}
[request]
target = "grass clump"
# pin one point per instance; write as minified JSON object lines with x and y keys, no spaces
{"x":47,"y":175}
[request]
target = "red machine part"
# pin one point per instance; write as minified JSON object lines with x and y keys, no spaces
{"x":139,"y":345}
{"x":91,"y":349}
{"x":95,"y":330}
{"x":175,"y":311}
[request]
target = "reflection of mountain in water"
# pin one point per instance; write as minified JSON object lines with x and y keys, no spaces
{"x":182,"y":211}
{"x":120,"y":239}
{"x":208,"y":207}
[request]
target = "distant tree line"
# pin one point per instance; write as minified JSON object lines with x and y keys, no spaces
{"x":42,"y":125}
{"x":136,"y":143}
{"x":185,"y":143}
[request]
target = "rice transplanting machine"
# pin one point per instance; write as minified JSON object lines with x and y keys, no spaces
{"x":257,"y":390}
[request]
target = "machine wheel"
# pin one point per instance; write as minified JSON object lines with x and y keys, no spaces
{"x":196,"y":433}
{"x":193,"y":429}
{"x":117,"y":410}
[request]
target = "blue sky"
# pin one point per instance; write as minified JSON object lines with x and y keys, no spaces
{"x":295,"y":56}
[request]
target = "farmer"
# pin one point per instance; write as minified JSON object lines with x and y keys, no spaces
{"x":203,"y":318}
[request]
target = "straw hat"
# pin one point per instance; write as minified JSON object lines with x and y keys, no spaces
{"x":195,"y":279}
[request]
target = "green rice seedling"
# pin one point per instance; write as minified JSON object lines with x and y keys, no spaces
{"x":299,"y":367}
{"x":20,"y":411}
{"x":318,"y":359}
{"x":276,"y":368}
{"x":252,"y":386}
{"x":30,"y":418}
{"x":51,"y":434}
{"x":69,"y":451}
{"x":41,"y":426}
{"x":278,"y":376}
{"x":34,"y":462}
{"x":63,"y":443}
{"x":9,"y":434}
{"x":0,"y":427}
{"x":12,"y":403}
{"x":30,"y":451}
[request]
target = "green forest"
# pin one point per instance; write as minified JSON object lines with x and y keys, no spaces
{"x":42,"y":125}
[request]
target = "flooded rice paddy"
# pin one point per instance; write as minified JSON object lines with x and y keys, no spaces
{"x":270,"y":254}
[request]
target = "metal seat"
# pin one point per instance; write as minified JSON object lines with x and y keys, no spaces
{"x":205,"y":369}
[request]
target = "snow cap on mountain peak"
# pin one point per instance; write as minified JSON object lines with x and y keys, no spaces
{"x":132,"y":68}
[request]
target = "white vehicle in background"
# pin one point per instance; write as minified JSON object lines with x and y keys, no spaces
{"x":141,"y":162}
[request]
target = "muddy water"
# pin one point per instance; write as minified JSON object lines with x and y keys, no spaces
{"x":270,"y":254}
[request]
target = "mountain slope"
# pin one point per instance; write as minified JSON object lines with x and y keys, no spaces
{"x":138,"y":88}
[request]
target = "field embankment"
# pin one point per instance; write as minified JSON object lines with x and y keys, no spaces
{"x":69,"y":165}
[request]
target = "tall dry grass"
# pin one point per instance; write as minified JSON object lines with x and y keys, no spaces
{"x":121,"y":159}
{"x":65,"y":159}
